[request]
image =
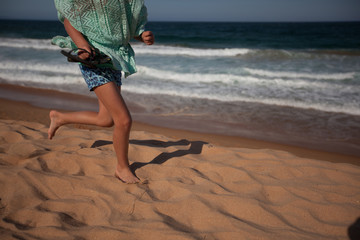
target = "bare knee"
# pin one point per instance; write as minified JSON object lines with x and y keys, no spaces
{"x":124,"y":123}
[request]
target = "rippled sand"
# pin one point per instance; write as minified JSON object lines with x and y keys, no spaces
{"x":65,"y":189}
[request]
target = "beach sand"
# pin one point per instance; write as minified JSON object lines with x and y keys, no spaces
{"x":199,"y":186}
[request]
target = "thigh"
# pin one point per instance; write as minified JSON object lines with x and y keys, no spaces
{"x":103,"y":112}
{"x":111,"y":102}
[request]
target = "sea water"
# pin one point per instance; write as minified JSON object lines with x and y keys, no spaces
{"x":295,"y":83}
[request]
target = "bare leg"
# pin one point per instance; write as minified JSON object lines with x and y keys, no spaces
{"x":101,"y":118}
{"x":112,"y":111}
{"x":110,"y":96}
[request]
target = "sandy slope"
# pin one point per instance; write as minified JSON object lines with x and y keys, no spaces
{"x":65,"y":189}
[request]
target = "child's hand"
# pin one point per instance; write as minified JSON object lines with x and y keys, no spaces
{"x":148,"y":37}
{"x":85,"y":54}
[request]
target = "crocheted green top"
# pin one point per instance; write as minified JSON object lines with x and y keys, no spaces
{"x":108,"y":25}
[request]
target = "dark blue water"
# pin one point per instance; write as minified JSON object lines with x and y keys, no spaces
{"x":30,"y":29}
{"x":328,"y":35}
{"x":260,"y":35}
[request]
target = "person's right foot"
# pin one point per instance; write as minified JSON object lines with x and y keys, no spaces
{"x":126,"y":176}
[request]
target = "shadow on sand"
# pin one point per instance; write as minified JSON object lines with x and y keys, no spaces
{"x":354,"y":230}
{"x":194,"y":148}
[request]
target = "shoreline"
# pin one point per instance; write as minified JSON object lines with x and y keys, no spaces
{"x":27,"y":104}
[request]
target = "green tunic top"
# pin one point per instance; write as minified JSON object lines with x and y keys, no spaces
{"x":108,"y":25}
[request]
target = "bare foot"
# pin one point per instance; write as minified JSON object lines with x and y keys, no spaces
{"x":126,"y":176}
{"x":54,"y":124}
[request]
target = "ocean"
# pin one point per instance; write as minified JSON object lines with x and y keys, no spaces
{"x":292,"y":83}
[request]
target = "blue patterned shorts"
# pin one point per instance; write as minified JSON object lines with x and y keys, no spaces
{"x":95,"y":77}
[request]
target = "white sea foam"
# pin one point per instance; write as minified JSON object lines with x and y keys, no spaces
{"x":45,"y":44}
{"x":42,"y":44}
{"x":347,"y":108}
{"x":193,"y":52}
{"x":47,"y":73}
{"x":40,"y":67}
{"x":23,"y":77}
{"x":186,"y":77}
{"x":162,"y":50}
{"x":299,"y":75}
{"x":276,"y":79}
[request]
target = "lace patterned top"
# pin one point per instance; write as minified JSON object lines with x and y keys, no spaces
{"x":107,"y":25}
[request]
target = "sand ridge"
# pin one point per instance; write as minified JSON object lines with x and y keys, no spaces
{"x":65,"y":189}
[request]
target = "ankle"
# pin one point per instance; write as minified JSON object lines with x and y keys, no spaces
{"x":121,"y":168}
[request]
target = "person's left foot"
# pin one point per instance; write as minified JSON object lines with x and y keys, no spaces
{"x":54,"y":123}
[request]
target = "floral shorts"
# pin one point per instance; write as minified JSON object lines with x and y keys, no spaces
{"x":95,"y":77}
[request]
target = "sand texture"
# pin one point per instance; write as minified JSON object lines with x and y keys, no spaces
{"x":65,"y":189}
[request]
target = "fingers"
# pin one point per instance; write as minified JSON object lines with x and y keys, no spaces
{"x":148,"y":37}
{"x":84,"y":54}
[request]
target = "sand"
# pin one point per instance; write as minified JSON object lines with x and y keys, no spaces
{"x":65,"y":189}
{"x":199,"y":186}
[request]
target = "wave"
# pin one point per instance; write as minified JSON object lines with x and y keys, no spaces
{"x":252,"y":78}
{"x":345,"y":52}
{"x":40,"y":67}
{"x":62,"y":77}
{"x":76,"y":84}
{"x":41,"y":44}
{"x":45,"y":44}
{"x":246,"y":53}
{"x":193,"y":52}
{"x":58,"y":80}
{"x":249,"y":78}
{"x":166,"y":50}
{"x":297,"y":75}
{"x":347,"y":108}
{"x":186,"y":77}
{"x":40,"y":73}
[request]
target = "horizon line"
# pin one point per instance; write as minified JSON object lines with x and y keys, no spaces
{"x":205,"y":21}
